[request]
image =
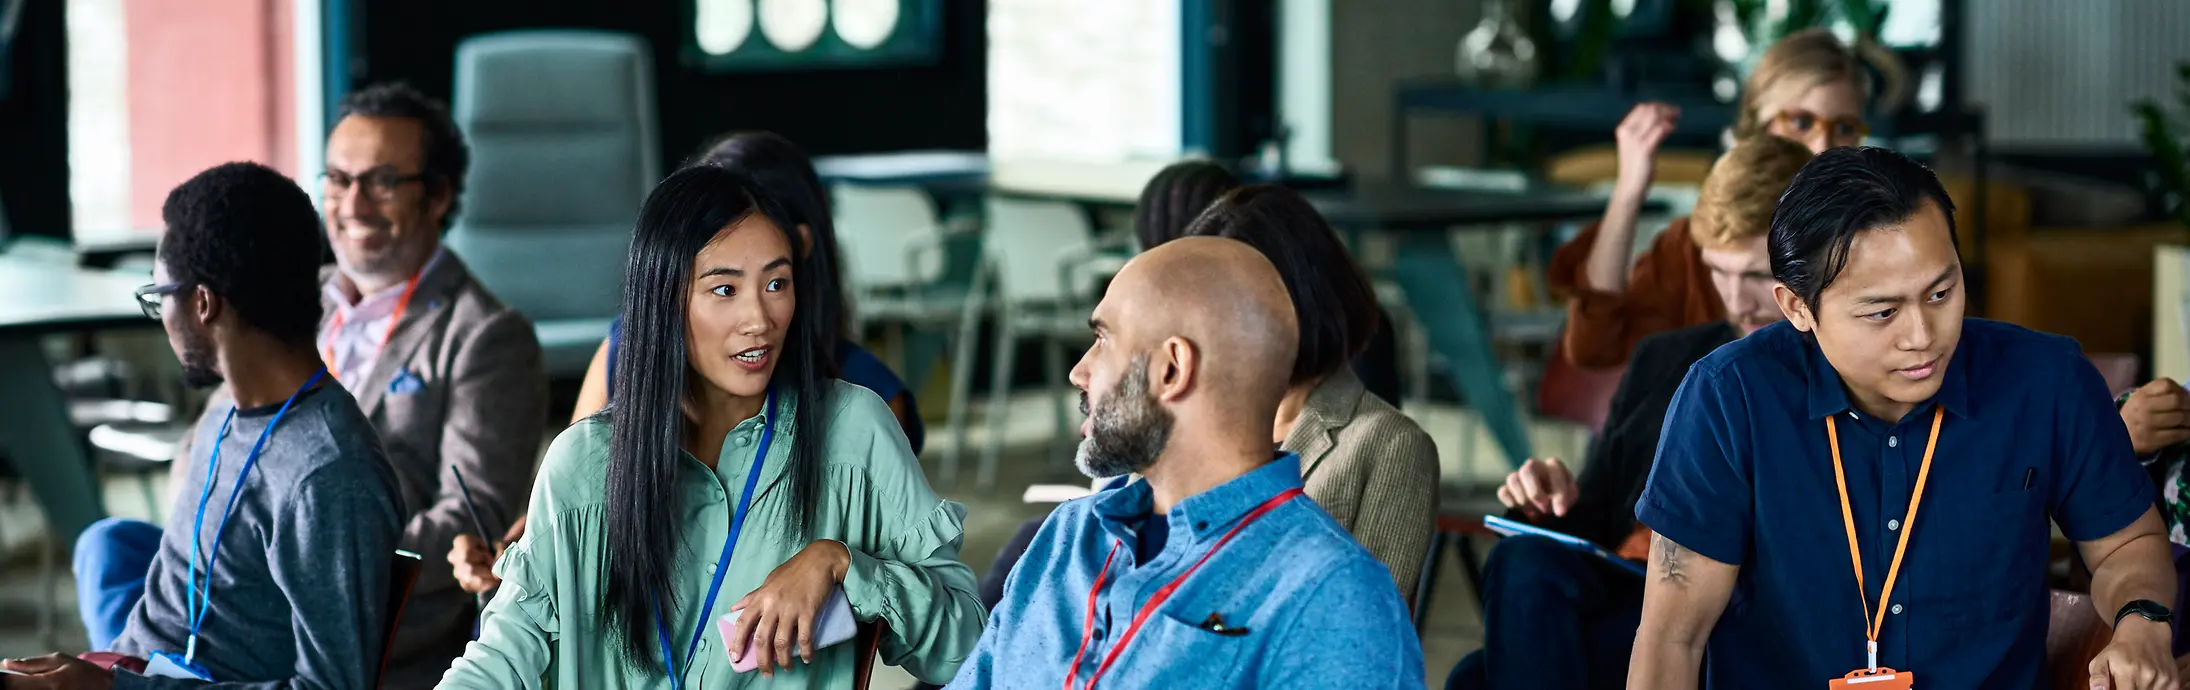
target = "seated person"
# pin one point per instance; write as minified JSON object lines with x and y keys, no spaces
{"x":450,"y":377}
{"x":1876,"y":349}
{"x":1370,"y":467}
{"x":726,"y":417}
{"x":1230,"y":581}
{"x":1554,"y":617}
{"x":290,"y":482}
{"x":1809,"y":88}
{"x":780,"y":167}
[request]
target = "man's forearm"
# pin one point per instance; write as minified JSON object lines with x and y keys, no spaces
{"x":2142,"y":568}
{"x":1657,"y":663}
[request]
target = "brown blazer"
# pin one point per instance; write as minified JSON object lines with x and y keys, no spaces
{"x":1373,"y":469}
{"x":473,"y":397}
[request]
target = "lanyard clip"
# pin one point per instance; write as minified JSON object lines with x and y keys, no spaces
{"x":1873,"y":647}
{"x":190,"y":649}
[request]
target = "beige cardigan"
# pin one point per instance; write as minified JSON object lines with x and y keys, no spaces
{"x":1373,"y":469}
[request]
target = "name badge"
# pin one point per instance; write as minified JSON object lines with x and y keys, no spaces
{"x":1881,"y":679}
{"x":165,"y":665}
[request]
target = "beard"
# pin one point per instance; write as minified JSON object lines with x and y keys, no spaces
{"x":198,"y":363}
{"x":1127,"y":430}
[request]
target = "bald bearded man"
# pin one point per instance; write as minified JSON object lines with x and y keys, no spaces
{"x":1212,"y":570}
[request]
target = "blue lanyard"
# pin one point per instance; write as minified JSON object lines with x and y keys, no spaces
{"x":722,"y":565}
{"x":199,"y":605}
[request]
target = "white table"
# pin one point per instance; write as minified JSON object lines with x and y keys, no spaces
{"x":39,"y":296}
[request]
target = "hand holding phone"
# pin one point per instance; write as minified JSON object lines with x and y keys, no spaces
{"x":833,"y":625}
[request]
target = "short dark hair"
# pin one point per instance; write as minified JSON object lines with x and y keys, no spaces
{"x":1840,"y":193}
{"x":250,"y":235}
{"x":446,"y":157}
{"x":1333,"y":301}
{"x":1175,"y":196}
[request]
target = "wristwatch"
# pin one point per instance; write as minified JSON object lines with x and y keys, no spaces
{"x":2149,"y":609}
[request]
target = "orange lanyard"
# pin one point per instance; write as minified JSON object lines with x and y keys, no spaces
{"x":1154,"y":600}
{"x":1908,"y":524}
{"x":334,"y":329}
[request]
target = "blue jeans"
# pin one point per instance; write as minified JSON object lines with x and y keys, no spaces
{"x":1553,"y":618}
{"x":112,"y":557}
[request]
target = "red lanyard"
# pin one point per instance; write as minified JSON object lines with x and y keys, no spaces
{"x":1908,"y":524}
{"x":402,"y":303}
{"x":1156,"y":600}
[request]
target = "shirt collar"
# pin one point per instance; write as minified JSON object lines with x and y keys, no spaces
{"x":1829,"y":396}
{"x":339,"y":287}
{"x":1204,"y":514}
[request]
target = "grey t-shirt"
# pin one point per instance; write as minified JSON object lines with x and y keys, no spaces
{"x":299,"y":593}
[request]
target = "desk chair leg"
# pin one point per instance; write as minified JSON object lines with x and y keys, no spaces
{"x":969,"y":333}
{"x":1442,"y":299}
{"x":48,"y":597}
{"x":34,"y":421}
{"x":1061,"y":429}
{"x":1473,"y":566}
{"x":1007,"y":349}
{"x":1424,"y":583}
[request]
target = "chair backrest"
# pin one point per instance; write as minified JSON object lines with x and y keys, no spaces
{"x":402,"y":575}
{"x":1027,"y":243}
{"x":2119,"y":369}
{"x":1575,"y":394}
{"x":563,"y":152}
{"x":877,"y":229}
{"x":2074,"y":636}
{"x":867,"y":643}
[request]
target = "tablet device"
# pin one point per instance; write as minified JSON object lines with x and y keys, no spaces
{"x":1508,"y":528}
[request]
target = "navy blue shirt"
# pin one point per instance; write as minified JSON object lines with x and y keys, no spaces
{"x":1744,"y":476}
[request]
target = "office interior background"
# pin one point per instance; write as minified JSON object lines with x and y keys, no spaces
{"x":985,"y":155}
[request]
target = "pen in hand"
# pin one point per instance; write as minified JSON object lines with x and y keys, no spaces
{"x":472,"y":508}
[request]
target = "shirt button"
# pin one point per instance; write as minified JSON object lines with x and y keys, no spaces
{"x":710,"y":568}
{"x":1896,"y":609}
{"x":1893,"y":442}
{"x":1890,"y":524}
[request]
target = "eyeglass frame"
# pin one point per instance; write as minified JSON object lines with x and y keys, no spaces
{"x":151,"y":299}
{"x":380,"y":183}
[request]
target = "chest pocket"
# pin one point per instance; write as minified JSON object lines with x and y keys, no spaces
{"x":1173,"y":653}
{"x":1988,"y":547}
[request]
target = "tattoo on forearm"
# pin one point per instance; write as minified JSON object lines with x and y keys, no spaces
{"x":1669,"y":561}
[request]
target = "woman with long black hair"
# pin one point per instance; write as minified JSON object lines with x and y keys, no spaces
{"x":732,"y":474}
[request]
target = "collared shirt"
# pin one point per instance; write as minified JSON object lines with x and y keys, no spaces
{"x":545,"y":621}
{"x":362,"y":327}
{"x":1308,"y":606}
{"x":1744,"y":476}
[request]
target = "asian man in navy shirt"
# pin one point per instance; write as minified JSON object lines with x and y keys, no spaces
{"x":1863,"y":492}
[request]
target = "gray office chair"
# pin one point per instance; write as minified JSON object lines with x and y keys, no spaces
{"x":564,"y":151}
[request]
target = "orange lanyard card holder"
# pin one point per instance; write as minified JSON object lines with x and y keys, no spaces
{"x":1881,"y":679}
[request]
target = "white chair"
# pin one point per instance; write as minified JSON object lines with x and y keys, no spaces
{"x":1039,"y":252}
{"x":897,"y":269}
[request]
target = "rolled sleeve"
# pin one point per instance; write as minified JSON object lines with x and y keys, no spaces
{"x":2101,"y":487}
{"x":1699,"y":492}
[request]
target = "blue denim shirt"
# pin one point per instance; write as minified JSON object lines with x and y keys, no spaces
{"x":1744,"y":476}
{"x":1311,"y":608}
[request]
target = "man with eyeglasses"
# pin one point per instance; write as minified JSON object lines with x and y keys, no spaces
{"x":450,"y":378}
{"x":273,"y":569}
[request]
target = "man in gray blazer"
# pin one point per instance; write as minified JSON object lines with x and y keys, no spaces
{"x":449,"y":377}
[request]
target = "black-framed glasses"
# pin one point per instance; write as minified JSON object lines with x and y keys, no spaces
{"x":150,"y":297}
{"x":380,"y":183}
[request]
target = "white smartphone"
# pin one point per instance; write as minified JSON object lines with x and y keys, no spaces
{"x":834,"y":625}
